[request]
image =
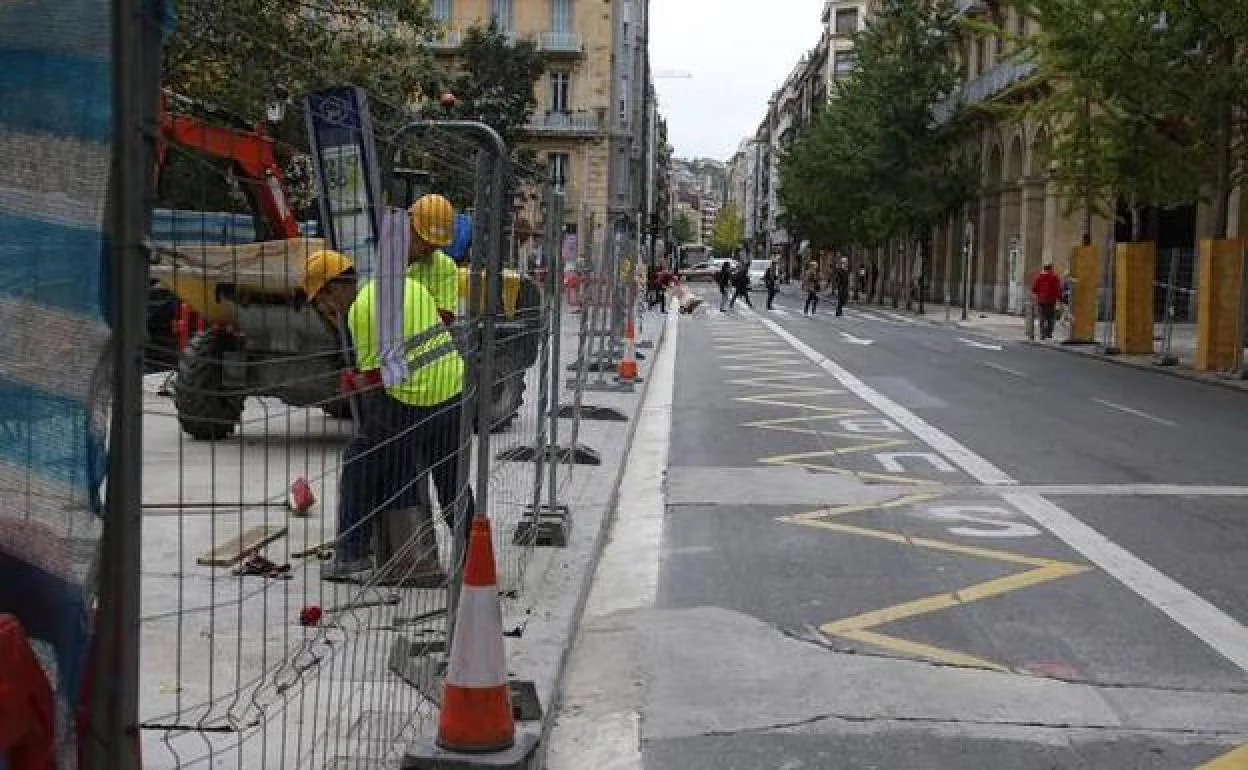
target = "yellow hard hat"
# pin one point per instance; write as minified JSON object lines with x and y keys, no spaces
{"x":433,"y":219}
{"x":321,"y":267}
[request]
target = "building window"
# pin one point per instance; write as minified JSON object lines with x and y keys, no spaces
{"x":560,"y":92}
{"x":442,"y":11}
{"x":501,"y":11}
{"x":561,"y":17}
{"x":847,"y":21}
{"x":560,"y":169}
{"x":843,"y":63}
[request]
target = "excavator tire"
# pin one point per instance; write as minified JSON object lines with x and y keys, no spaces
{"x":206,"y":411}
{"x":507,"y":392}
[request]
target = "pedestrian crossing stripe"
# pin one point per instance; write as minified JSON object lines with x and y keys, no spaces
{"x":864,"y":627}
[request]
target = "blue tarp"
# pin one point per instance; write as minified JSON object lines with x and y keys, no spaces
{"x":55,"y":147}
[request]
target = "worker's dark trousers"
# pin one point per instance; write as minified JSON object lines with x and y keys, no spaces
{"x":771,"y":296}
{"x":812,"y":302}
{"x":387,"y":461}
{"x":740,"y":294}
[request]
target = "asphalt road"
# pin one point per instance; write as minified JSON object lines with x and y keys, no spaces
{"x":885,"y":543}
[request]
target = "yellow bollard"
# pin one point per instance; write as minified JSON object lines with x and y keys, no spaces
{"x":1220,"y":300}
{"x":1135,"y":270}
{"x":1085,"y":269}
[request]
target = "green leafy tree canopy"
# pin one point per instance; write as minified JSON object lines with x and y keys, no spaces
{"x":727,"y":231}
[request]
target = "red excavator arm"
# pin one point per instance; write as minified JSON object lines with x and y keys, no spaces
{"x":255,"y":165}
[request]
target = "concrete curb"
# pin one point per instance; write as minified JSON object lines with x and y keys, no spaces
{"x":589,"y":565}
{"x":1178,"y":372}
{"x":1088,"y":351}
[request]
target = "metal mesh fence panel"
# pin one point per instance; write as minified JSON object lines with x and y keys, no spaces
{"x":318,"y":407}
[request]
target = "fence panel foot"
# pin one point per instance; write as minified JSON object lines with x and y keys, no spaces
{"x":548,"y":528}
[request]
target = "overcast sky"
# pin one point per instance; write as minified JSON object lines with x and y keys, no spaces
{"x":738,"y":52}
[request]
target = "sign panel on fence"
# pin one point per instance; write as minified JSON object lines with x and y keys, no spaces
{"x":347,"y":172}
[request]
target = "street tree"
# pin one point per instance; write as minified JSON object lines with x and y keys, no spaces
{"x":683,"y":229}
{"x":1146,"y":98}
{"x":877,"y":167}
{"x":727,"y":231}
{"x":231,"y":60}
{"x":493,"y":80}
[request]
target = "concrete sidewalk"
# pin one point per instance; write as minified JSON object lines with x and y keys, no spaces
{"x":1182,"y":342}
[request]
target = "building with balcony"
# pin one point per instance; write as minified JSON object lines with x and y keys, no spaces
{"x":595,"y":121}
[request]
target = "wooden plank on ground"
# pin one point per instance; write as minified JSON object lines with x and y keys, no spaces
{"x":232,"y":551}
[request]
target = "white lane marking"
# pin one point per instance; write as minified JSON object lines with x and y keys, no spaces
{"x":974,"y":465}
{"x":980,"y":345}
{"x":993,"y":522}
{"x":1003,"y":368}
{"x":628,"y":574}
{"x":1136,"y":412}
{"x":868,"y":316}
{"x":1206,"y":622}
{"x":851,"y":339}
{"x":891,"y":461}
{"x":1211,"y":625}
{"x":900,"y":318}
{"x":1134,"y":490}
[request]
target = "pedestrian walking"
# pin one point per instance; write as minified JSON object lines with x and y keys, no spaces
{"x":724,"y":279}
{"x":1046,"y":288}
{"x":407,"y":421}
{"x":654,"y":289}
{"x":841,"y":279}
{"x":741,"y":285}
{"x":860,"y":286}
{"x":769,"y":281}
{"x":811,"y":285}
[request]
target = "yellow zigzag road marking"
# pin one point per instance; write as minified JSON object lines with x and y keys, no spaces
{"x":1235,"y":760}
{"x":862,"y":627}
{"x":774,"y":399}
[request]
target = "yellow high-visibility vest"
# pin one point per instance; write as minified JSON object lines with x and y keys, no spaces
{"x":435,"y":368}
{"x":440,"y":275}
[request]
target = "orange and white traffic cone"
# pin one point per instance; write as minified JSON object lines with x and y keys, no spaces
{"x":627,"y":373}
{"x":476,"y":700}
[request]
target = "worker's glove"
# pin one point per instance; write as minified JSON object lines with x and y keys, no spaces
{"x":346,"y":381}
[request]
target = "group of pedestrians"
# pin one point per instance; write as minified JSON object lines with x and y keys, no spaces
{"x":812,"y":284}
{"x":736,"y":279}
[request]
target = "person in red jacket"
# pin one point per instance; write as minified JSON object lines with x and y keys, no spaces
{"x":1047,"y":289}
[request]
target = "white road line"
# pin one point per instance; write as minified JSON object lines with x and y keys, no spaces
{"x":1131,"y":490}
{"x":980,"y":345}
{"x":1003,"y":368}
{"x":977,"y":467}
{"x":1136,"y":412}
{"x":900,"y":318}
{"x":851,"y":339}
{"x":1203,"y":620}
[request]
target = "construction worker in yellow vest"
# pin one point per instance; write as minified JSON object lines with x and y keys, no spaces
{"x":407,"y":402}
{"x":433,"y":229}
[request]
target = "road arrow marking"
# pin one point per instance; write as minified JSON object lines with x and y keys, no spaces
{"x":851,"y":339}
{"x":980,"y":345}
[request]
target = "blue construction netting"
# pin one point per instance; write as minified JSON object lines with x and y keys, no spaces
{"x":56,"y":127}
